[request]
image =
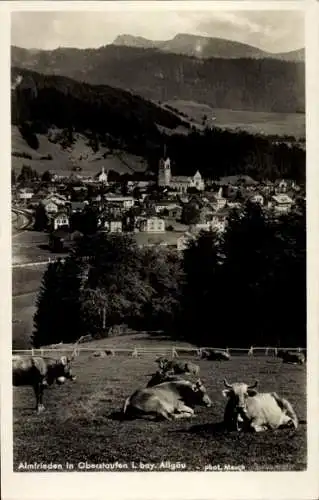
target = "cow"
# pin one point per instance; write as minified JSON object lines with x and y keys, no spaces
{"x":176,"y":367}
{"x":99,"y":354}
{"x":291,"y":357}
{"x":215,"y":355}
{"x":159,"y":377}
{"x":169,"y":400}
{"x":248,"y":409}
{"x":39,"y":372}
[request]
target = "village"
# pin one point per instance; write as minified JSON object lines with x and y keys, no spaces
{"x":166,"y":211}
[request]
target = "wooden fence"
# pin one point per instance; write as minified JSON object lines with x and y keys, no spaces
{"x":173,"y":352}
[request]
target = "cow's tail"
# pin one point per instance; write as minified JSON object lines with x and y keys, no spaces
{"x":287,"y":408}
{"x":125,"y":408}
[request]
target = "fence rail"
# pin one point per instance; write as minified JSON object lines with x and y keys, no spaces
{"x":173,"y":351}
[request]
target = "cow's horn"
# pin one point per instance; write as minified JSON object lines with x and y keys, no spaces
{"x":253,"y":386}
{"x":227,"y":384}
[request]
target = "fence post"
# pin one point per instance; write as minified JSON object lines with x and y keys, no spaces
{"x":251,"y":351}
{"x":174,"y":353}
{"x":267,"y":350}
{"x":32,"y":352}
{"x":276,"y":351}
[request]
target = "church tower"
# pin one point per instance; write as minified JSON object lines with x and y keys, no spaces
{"x":164,"y":172}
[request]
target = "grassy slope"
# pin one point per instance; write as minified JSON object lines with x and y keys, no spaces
{"x":81,"y":424}
{"x":63,"y":160}
{"x":250,"y":121}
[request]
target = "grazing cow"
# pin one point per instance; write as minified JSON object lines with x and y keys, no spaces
{"x":291,"y":357}
{"x":159,"y":377}
{"x":176,"y":367}
{"x":39,"y":372}
{"x":215,"y":355}
{"x":99,"y":354}
{"x":169,"y":400}
{"x":247,"y":409}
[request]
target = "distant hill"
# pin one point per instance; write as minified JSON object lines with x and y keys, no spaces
{"x":60,"y":123}
{"x":207,"y":47}
{"x":77,"y":124}
{"x":244,"y":84}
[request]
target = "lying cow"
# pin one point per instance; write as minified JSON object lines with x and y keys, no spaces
{"x":215,"y":355}
{"x":247,"y":409}
{"x":39,"y":372}
{"x":291,"y":357}
{"x":176,"y":367}
{"x":169,"y":400}
{"x":159,"y":377}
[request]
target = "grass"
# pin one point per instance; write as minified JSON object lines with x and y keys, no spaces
{"x":78,"y":155}
{"x":81,"y":423}
{"x":251,"y":121}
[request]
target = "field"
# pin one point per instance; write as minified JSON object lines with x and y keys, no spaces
{"x":63,"y":160}
{"x":280,"y":124}
{"x":81,"y":422}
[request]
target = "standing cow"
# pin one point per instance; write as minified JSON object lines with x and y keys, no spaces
{"x":39,"y":372}
{"x":247,"y":409}
{"x":296,"y":358}
{"x":169,"y":400}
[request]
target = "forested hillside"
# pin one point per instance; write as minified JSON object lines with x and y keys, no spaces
{"x":253,"y":84}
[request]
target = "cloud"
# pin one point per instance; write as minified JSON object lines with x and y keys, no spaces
{"x":271,"y":30}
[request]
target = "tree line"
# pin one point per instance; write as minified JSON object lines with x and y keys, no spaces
{"x":114,"y":118}
{"x":245,"y":287}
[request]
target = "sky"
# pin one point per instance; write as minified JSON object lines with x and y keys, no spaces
{"x":273,"y":31}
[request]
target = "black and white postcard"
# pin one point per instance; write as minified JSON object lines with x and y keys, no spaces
{"x":159,"y":238}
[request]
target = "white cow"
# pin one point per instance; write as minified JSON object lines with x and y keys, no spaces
{"x":247,"y":409}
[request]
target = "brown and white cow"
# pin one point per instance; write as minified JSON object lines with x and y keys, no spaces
{"x":39,"y":372}
{"x":178,"y":366}
{"x":169,"y":400}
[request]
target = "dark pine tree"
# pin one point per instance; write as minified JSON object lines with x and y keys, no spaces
{"x":58,"y":315}
{"x":41,"y":219}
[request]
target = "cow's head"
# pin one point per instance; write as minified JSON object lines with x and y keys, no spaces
{"x":162,"y":363}
{"x":238,"y":394}
{"x":63,"y":370}
{"x":200,"y":393}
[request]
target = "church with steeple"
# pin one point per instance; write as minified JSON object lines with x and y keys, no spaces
{"x":178,"y":182}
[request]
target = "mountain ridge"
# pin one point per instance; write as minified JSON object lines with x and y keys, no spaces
{"x":268,"y":85}
{"x":206,"y":47}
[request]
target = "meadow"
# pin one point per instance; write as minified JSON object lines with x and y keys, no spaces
{"x":254,"y":122}
{"x":82,"y":423}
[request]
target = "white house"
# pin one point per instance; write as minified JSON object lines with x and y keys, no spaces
{"x":218,"y":202}
{"x":51,"y":207}
{"x":257,"y":198}
{"x":25,"y":194}
{"x":281,"y":203}
{"x":113,"y":226}
{"x":60,"y":220}
{"x":152,"y":225}
{"x":127,"y":202}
